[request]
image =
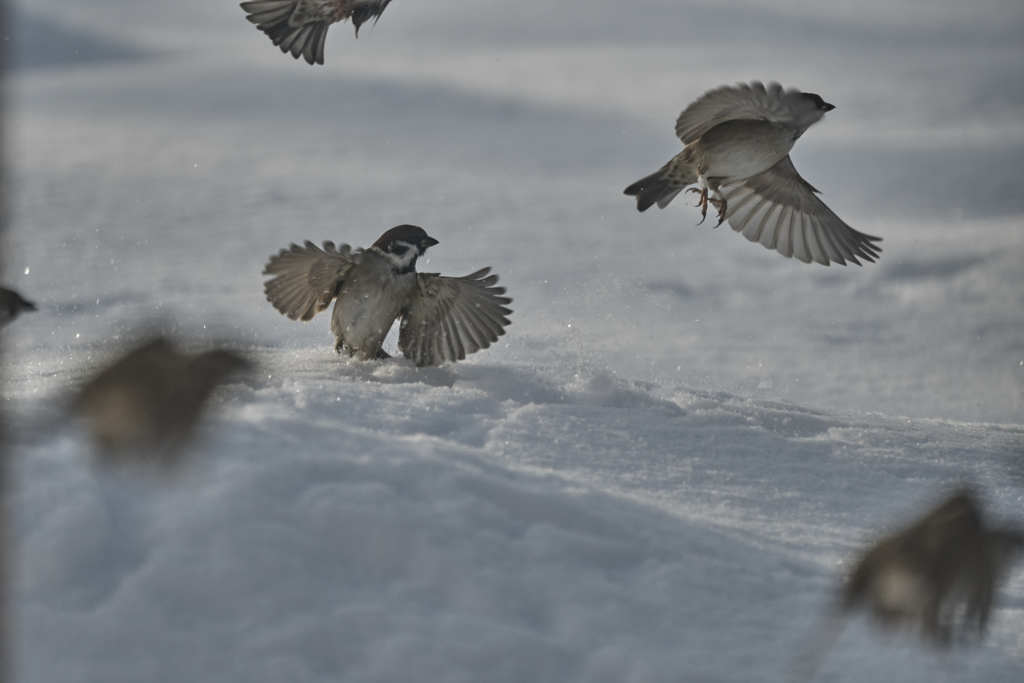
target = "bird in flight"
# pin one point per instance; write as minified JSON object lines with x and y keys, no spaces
{"x":939,"y":576}
{"x":736,"y":151}
{"x":443,"y":318}
{"x":145,"y":405}
{"x":300,"y":27}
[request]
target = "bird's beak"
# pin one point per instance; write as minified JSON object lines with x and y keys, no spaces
{"x":828,"y":107}
{"x":428,"y":242}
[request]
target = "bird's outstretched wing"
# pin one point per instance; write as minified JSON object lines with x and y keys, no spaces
{"x":734,"y":102}
{"x":450,"y":317}
{"x":299,"y":27}
{"x":779,"y":209}
{"x":307,"y":278}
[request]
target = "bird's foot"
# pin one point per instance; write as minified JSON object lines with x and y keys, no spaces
{"x":720,"y":206}
{"x":702,"y":202}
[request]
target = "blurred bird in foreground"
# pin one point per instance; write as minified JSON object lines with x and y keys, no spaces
{"x":145,"y":405}
{"x":300,"y":26}
{"x":737,"y":141}
{"x":938,"y":576}
{"x":12,"y":305}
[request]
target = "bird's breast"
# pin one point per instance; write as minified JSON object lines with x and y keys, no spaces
{"x":740,"y":149}
{"x":367,"y":306}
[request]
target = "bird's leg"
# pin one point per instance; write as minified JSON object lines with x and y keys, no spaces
{"x":702,"y":201}
{"x":718,"y":201}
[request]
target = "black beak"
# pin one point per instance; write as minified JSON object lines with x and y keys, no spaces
{"x":828,"y":107}
{"x":427,"y":242}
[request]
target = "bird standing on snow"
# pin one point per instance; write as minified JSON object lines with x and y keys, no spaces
{"x":443,"y":318}
{"x":300,"y":26}
{"x":12,"y":304}
{"x":737,"y":141}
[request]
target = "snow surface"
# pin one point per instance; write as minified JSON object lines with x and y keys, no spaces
{"x":662,"y":470}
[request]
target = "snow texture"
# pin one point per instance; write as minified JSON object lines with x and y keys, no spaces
{"x":663,"y":469}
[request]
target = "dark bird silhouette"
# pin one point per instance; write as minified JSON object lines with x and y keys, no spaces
{"x":12,"y":305}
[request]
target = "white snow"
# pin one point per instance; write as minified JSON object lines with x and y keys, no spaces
{"x":658,"y":474}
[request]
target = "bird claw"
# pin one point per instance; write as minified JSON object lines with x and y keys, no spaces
{"x":720,"y":206}
{"x":703,"y":200}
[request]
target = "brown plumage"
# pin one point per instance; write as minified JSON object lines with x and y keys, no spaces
{"x":145,"y":404}
{"x":939,"y":574}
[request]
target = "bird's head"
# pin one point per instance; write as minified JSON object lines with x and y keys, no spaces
{"x":809,"y":109}
{"x":403,"y":244}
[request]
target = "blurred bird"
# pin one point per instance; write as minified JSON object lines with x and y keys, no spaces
{"x":300,"y":26}
{"x":939,"y":574}
{"x":146,"y":404}
{"x":737,"y":141}
{"x":11,"y":305}
{"x":443,"y":318}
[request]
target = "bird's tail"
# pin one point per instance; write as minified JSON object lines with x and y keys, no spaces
{"x":663,"y":185}
{"x":273,"y":17}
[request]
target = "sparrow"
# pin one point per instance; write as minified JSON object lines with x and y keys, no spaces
{"x":443,"y":318}
{"x":300,"y":26}
{"x":147,"y":402}
{"x":11,"y":305}
{"x":939,"y":573}
{"x":736,"y":150}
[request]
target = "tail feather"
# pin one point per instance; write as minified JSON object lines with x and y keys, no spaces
{"x":662,"y":186}
{"x":273,"y":18}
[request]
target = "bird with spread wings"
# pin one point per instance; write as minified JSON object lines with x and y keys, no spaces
{"x":737,"y":141}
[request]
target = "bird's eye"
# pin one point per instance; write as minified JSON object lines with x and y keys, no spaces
{"x":399,"y":249}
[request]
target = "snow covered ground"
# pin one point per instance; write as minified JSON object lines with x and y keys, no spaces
{"x":657,"y":475}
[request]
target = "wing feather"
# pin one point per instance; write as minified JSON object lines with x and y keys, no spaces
{"x":734,"y":102}
{"x":797,"y":223}
{"x":452,"y":317}
{"x":306,"y":278}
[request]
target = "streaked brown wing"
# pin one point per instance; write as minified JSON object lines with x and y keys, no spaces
{"x":307,"y":278}
{"x":780,"y":210}
{"x":451,"y":317}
